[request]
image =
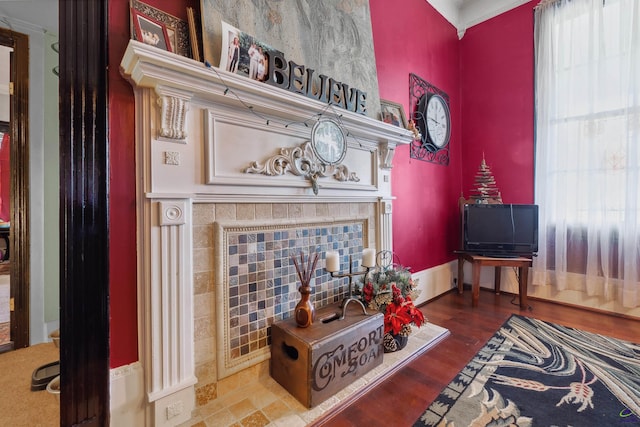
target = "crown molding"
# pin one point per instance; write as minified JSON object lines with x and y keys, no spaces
{"x":464,"y":14}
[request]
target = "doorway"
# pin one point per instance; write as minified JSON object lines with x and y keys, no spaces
{"x":84,"y":176}
{"x":5,"y":184}
{"x":19,"y":217}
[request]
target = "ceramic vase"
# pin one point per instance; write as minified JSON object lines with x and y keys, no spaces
{"x":305,"y":312}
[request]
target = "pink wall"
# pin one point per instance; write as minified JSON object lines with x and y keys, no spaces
{"x":122,"y":222}
{"x":488,"y":76}
{"x":496,"y":86}
{"x":416,"y":39}
{"x":122,"y":191}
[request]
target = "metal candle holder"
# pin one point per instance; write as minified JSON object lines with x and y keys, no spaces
{"x":350,"y":297}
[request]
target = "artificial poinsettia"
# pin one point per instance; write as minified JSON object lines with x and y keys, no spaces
{"x":391,"y":291}
{"x":401,"y":314}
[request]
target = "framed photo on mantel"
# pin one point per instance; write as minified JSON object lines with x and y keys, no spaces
{"x":150,"y":31}
{"x":393,"y":113}
{"x":177,"y":30}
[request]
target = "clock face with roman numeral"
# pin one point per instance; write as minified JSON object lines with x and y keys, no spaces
{"x":438,"y":121}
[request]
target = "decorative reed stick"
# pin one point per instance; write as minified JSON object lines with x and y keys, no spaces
{"x":305,"y":272}
{"x":305,"y":312}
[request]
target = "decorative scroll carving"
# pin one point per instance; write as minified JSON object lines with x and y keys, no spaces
{"x":342,"y":174}
{"x":301,"y":161}
{"x":386,"y":155}
{"x":174,"y":111}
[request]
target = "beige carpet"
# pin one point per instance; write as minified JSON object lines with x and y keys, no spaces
{"x":19,"y":406}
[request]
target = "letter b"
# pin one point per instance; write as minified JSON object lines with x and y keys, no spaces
{"x":278,"y":75}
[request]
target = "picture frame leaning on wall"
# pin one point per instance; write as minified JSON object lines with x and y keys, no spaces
{"x":177,"y":29}
{"x":392,"y":113}
{"x":150,"y":31}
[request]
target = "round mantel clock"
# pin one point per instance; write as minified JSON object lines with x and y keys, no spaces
{"x":438,"y":120}
{"x":328,"y":142}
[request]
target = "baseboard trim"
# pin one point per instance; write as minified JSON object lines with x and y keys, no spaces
{"x":127,"y":404}
{"x":583,"y":307}
{"x":6,"y":347}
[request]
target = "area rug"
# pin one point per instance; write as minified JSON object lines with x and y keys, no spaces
{"x":535,"y":373}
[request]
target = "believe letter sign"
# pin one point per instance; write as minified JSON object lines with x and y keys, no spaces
{"x":296,"y":78}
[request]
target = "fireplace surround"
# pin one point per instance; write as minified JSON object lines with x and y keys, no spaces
{"x":215,"y":239}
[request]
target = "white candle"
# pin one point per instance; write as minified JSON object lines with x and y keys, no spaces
{"x":333,"y":261}
{"x":369,"y":257}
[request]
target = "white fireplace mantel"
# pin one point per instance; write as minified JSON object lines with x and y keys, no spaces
{"x":198,"y":129}
{"x":243,"y":121}
{"x":177,"y":76}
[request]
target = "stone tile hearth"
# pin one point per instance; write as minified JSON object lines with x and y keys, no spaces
{"x":261,"y":401}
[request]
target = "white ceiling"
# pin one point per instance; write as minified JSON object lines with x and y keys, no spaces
{"x":37,"y":15}
{"x":467,"y":13}
{"x":43,"y":14}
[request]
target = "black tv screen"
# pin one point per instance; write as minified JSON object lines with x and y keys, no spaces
{"x":500,"y":230}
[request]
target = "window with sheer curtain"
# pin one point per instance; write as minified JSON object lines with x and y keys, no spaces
{"x":587,"y":84}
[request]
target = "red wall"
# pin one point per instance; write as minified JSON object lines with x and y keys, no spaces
{"x":415,"y":38}
{"x":496,"y":81}
{"x":122,"y":191}
{"x":488,"y":76}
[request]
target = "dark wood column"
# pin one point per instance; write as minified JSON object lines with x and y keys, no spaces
{"x":84,"y":214}
{"x":20,"y":206}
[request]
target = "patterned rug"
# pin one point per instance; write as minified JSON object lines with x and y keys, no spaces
{"x":534,"y":373}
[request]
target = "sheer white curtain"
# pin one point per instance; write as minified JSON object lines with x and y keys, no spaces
{"x":588,"y":147}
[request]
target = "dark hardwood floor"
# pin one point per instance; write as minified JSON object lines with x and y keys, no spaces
{"x":402,"y":398}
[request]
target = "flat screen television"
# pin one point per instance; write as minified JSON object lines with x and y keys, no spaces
{"x":500,"y":230}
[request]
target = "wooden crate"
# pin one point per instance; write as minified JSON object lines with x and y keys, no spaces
{"x":316,"y":362}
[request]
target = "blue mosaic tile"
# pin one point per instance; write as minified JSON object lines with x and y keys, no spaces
{"x":263,"y":285}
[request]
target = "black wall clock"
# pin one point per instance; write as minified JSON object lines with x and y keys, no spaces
{"x":430,"y":111}
{"x":438,"y":121}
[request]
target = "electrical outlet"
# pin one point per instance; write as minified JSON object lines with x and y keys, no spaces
{"x":175,"y":409}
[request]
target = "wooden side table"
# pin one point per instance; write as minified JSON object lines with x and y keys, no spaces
{"x":478,"y":261}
